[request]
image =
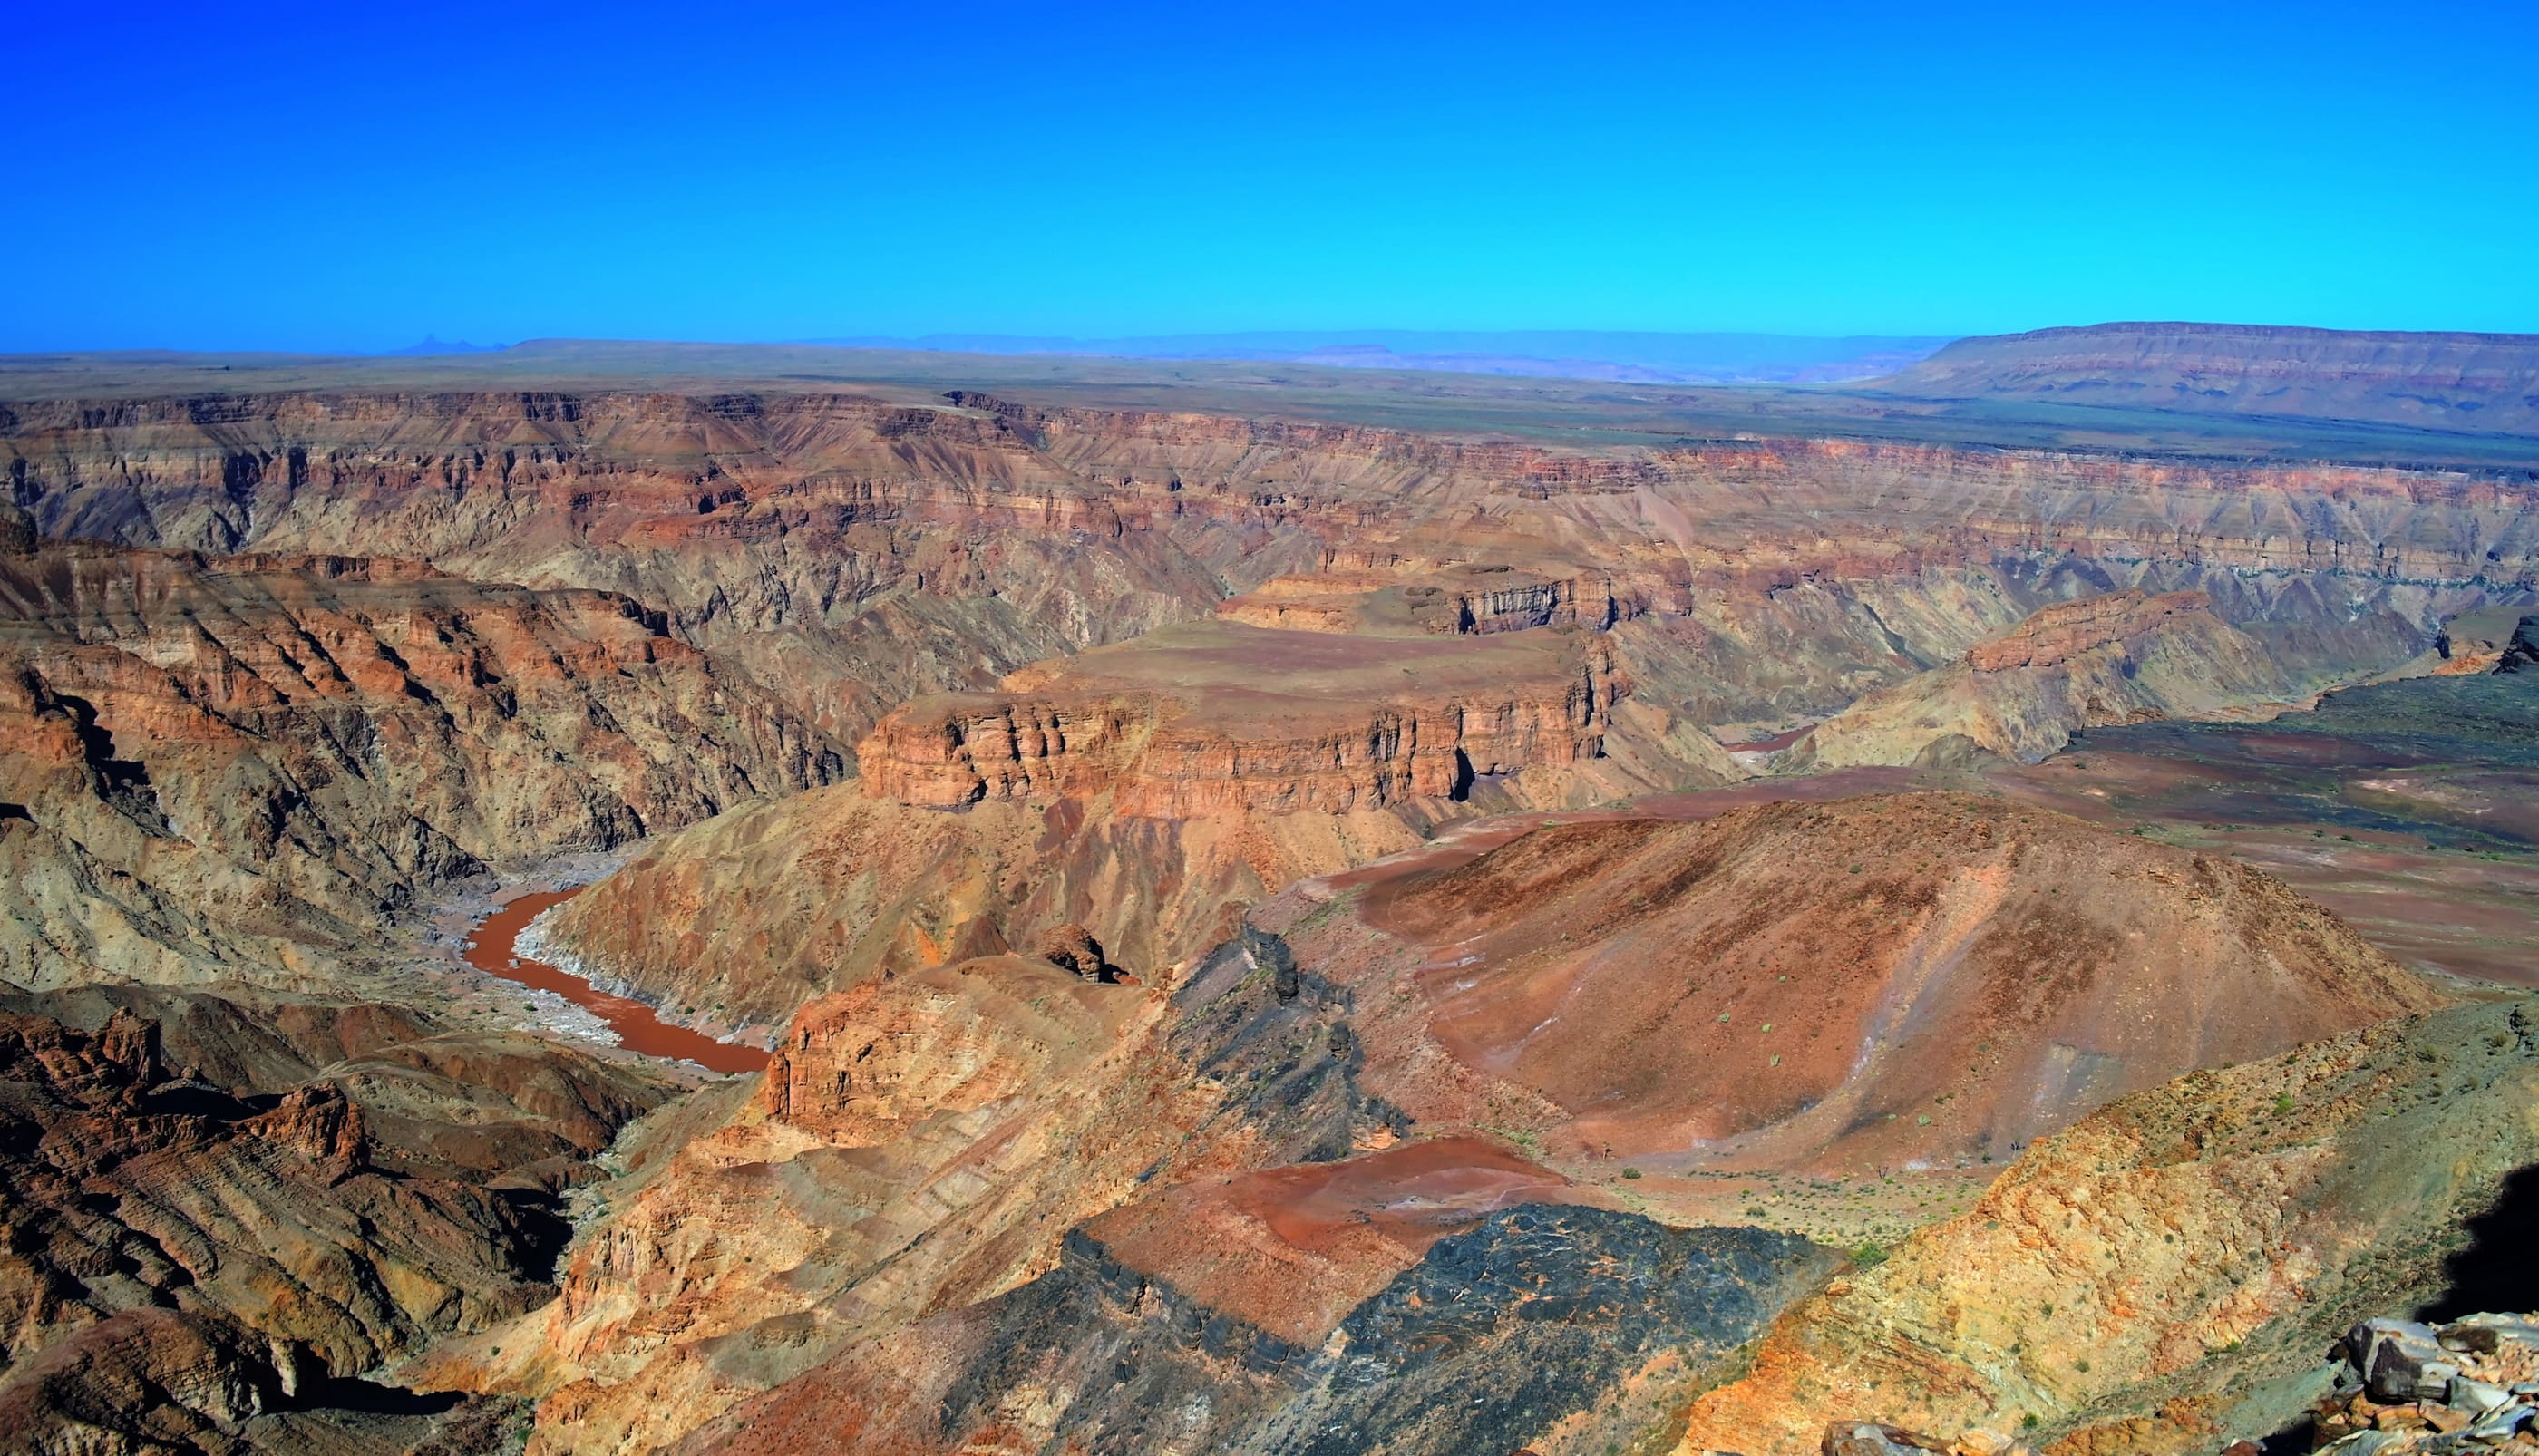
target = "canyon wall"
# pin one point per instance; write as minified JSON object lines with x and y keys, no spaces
{"x":889,"y":551}
{"x":225,"y":767}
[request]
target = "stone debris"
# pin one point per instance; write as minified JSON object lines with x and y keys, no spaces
{"x":1870,"y":1438}
{"x":2467,"y":1386}
{"x":2402,"y":1388}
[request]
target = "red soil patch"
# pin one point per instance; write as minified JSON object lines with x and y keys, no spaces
{"x":1874,"y":981}
{"x":1293,"y":1249}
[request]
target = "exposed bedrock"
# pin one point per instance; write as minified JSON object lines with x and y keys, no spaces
{"x":1256,"y":1160}
{"x":1495,"y":1329}
{"x":736,"y":922}
{"x":2171,"y":1267}
{"x":246,"y":766}
{"x":213,"y":1207}
{"x":1222,"y":718}
{"x":2115,"y":658}
{"x":1871,"y":982}
{"x":896,"y":549}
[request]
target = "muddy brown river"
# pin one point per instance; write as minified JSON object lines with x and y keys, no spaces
{"x":637,"y":1027}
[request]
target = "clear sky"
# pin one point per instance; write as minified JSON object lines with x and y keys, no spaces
{"x":290,"y":177}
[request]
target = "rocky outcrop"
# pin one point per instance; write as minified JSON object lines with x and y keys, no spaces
{"x":918,"y":1144}
{"x":311,"y":1223}
{"x":742,"y":919}
{"x":1072,"y":947}
{"x":1226,"y":719}
{"x":2116,"y":658}
{"x":2522,"y":653}
{"x":2053,"y":637}
{"x":1501,"y":1329}
{"x":2166,"y":1271}
{"x":251,"y":766}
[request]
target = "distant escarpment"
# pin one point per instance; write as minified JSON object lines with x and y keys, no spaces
{"x":2115,"y":658}
{"x":217,"y":767}
{"x":2438,"y":380}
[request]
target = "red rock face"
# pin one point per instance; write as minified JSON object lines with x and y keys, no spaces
{"x":902,"y":550}
{"x":1225,"y":718}
{"x":2056,"y":634}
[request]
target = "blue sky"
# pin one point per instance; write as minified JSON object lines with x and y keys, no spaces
{"x":262,"y":175}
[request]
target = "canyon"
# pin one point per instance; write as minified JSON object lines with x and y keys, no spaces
{"x":1271,"y":927}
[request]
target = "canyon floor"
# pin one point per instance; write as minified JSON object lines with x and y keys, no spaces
{"x":621,"y":899}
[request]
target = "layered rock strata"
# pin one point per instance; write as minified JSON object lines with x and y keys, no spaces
{"x":901,"y":549}
{"x":216,"y":767}
{"x":218,"y":1213}
{"x":1226,"y":718}
{"x":2115,"y":658}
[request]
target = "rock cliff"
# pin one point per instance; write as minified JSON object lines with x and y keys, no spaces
{"x":225,"y":767}
{"x":1221,"y":718}
{"x":2114,"y":658}
{"x":894,"y":550}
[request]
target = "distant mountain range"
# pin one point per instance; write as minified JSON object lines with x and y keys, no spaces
{"x":1557,"y":353}
{"x":432,"y":346}
{"x":2472,"y":383}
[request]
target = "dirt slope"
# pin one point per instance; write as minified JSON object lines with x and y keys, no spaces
{"x":2201,"y":1239}
{"x":1886,"y":980}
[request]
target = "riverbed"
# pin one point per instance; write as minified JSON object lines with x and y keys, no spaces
{"x":494,"y":950}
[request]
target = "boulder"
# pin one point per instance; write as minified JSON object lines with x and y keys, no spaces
{"x":1870,"y":1438}
{"x":2523,"y":650}
{"x":1072,"y":947}
{"x":2401,"y":1361}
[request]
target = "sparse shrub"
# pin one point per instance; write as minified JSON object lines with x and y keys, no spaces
{"x":1630,"y":1172}
{"x":2030,"y":1421}
{"x":1868,"y":1256}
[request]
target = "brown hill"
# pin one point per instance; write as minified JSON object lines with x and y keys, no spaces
{"x":2441,"y":381}
{"x":739,"y":921}
{"x":1917,"y":978}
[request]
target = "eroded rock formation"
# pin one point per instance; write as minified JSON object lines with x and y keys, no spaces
{"x":214,"y":1209}
{"x":251,"y":765}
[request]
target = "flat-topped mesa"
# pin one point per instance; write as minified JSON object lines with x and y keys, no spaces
{"x":1217,"y":716}
{"x":1396,"y":598}
{"x":2056,"y":634}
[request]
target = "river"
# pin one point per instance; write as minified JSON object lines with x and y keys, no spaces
{"x":637,"y":1027}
